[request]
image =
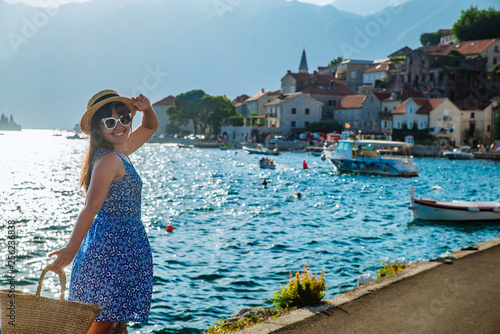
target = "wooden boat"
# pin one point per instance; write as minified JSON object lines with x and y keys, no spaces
{"x":428,"y":209}
{"x":373,"y":157}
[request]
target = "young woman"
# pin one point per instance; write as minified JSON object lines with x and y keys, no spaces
{"x":112,"y":261}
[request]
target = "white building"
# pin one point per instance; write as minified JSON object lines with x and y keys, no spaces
{"x":292,"y":112}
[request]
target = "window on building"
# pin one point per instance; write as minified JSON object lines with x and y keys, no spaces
{"x":356,"y":125}
{"x":410,"y":110}
{"x":342,"y":112}
{"x":398,"y":125}
{"x":307,"y":111}
{"x":330,"y":103}
{"x":472,"y":115}
{"x":292,"y":88}
{"x":353,"y":75}
{"x":293,"y":124}
{"x":294,"y":111}
{"x":489,"y":128}
{"x":348,"y":112}
{"x":410,"y":125}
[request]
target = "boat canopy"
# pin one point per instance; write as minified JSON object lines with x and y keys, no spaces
{"x":377,"y":142}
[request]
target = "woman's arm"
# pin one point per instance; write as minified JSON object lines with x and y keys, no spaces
{"x":149,"y":124}
{"x":107,"y":168}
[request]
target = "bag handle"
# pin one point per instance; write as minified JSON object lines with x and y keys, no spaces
{"x":62,"y":280}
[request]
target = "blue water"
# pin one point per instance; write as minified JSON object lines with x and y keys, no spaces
{"x":235,"y":241}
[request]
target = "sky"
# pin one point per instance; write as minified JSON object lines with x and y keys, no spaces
{"x":360,"y":7}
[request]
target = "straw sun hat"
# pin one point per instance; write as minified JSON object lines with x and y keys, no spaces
{"x":97,"y":101}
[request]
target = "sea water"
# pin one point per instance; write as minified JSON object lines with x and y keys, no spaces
{"x":235,"y":241}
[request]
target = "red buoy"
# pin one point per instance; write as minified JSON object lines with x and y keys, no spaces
{"x":169,"y":228}
{"x":304,"y":164}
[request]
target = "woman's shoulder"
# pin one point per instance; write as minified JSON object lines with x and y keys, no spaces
{"x":107,"y":156}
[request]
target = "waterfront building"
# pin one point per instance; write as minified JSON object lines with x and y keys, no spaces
{"x":240,"y":105}
{"x":160,"y":107}
{"x":255,"y":104}
{"x":349,"y":110}
{"x":440,"y":117}
{"x":291,"y":113}
{"x":477,"y":121}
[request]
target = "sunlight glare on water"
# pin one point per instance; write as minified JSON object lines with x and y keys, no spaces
{"x":235,"y":241}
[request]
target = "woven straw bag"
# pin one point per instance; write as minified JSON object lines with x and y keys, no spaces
{"x":26,"y":313}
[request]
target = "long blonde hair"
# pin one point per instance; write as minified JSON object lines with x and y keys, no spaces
{"x":97,"y":140}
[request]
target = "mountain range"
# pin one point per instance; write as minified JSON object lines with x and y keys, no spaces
{"x":52,"y":60}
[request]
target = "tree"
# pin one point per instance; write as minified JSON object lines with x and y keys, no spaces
{"x":432,"y":38}
{"x":217,"y":109}
{"x":205,"y":111}
{"x":336,"y":61}
{"x":325,"y":127}
{"x":381,"y":83}
{"x":475,"y":24}
{"x":187,"y":107}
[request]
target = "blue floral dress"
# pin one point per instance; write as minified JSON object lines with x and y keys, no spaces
{"x":114,"y":266}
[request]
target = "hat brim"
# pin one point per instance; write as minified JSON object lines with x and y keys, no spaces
{"x":86,"y":122}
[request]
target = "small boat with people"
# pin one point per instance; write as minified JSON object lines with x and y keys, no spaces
{"x":261,"y":150}
{"x":382,"y":157}
{"x":459,"y":154}
{"x":456,"y":210}
{"x":266,"y":163}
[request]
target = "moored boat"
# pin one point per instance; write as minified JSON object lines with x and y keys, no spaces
{"x":459,"y":154}
{"x":428,"y":209}
{"x":373,"y":157}
{"x":261,"y":150}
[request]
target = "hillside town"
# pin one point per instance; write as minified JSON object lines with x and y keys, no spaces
{"x":447,"y":91}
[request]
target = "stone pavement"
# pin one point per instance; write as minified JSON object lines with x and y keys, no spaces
{"x":445,"y":296}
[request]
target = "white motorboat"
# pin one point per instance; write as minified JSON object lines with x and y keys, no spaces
{"x":261,"y":150}
{"x":459,"y":154}
{"x":382,"y":157}
{"x":428,"y":209}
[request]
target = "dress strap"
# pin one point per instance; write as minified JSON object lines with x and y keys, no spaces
{"x":104,"y":150}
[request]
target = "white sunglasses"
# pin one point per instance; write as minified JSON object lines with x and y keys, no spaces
{"x":110,"y":122}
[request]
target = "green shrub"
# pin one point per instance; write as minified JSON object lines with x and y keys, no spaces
{"x":388,"y":269}
{"x":302,"y":290}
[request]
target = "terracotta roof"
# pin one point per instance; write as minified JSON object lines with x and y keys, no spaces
{"x":240,"y":99}
{"x":351,"y":102}
{"x":474,"y":47}
{"x":426,"y":106}
{"x":402,"y":107}
{"x":166,"y":101}
{"x":399,"y":110}
{"x":382,"y":67}
{"x":430,"y":105}
{"x":257,"y":96}
{"x":382,"y":95}
{"x":466,"y":48}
